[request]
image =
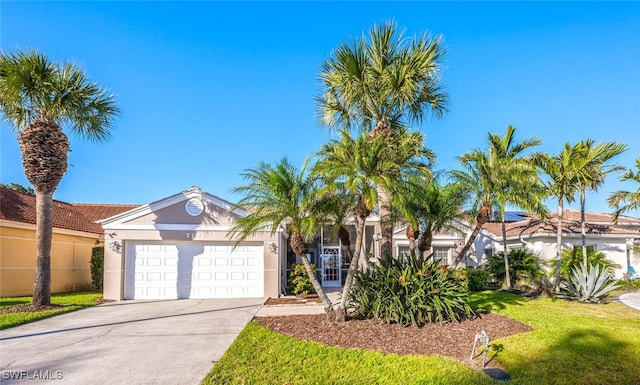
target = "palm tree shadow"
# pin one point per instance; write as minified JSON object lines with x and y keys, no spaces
{"x":591,"y":348}
{"x":491,"y":301}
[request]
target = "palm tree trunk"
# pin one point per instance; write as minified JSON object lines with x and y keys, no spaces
{"x":468,"y":244}
{"x":44,"y":223}
{"x":328,"y":306}
{"x":411,"y":236}
{"x":425,"y":241}
{"x":583,"y":227}
{"x":341,"y":312}
{"x":386,"y":222}
{"x":559,"y":242}
{"x":506,"y":255}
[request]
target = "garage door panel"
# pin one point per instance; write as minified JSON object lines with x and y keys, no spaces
{"x":194,"y":270}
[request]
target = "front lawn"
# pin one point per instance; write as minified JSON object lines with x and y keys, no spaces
{"x":71,"y":302}
{"x":572,"y":343}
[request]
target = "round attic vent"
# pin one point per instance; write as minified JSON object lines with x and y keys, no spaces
{"x":194,"y":207}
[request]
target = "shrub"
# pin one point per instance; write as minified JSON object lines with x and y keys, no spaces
{"x":590,"y":283}
{"x":409,"y":290}
{"x":299,"y":281}
{"x":572,"y":259}
{"x":97,"y":267}
{"x":524,"y":267}
{"x":473,"y":279}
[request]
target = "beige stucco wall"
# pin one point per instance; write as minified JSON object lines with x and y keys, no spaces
{"x":70,"y":260}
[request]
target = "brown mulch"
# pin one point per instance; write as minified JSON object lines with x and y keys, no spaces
{"x":311,"y":299}
{"x":452,"y":339}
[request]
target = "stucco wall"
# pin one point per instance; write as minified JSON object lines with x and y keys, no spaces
{"x":70,"y":261}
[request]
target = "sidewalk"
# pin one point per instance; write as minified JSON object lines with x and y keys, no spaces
{"x":631,"y":299}
{"x":280,"y":310}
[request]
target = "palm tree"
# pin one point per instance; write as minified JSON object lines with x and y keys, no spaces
{"x":357,"y":166}
{"x":380,"y":83}
{"x":499,"y":177}
{"x":429,"y":208}
{"x":563,"y":174}
{"x":38,"y":98}
{"x":593,"y":175}
{"x":277,"y":196}
{"x":624,"y":201}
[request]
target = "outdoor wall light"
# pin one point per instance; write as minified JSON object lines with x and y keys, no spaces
{"x":273,"y":247}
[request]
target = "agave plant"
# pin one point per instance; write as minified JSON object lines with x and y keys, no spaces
{"x":590,"y":283}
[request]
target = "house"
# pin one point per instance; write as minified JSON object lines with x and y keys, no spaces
{"x":75,"y":233}
{"x":179,"y":247}
{"x":616,"y":241}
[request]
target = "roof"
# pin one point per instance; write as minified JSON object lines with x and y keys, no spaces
{"x":21,"y":207}
{"x":595,"y":223}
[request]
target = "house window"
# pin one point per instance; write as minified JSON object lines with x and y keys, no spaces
{"x":403,"y":251}
{"x":488,"y":253}
{"x":441,"y":256}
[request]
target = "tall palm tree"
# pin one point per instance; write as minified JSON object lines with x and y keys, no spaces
{"x":379,"y":83}
{"x":498,"y":177}
{"x":281,"y":195}
{"x":593,"y":175}
{"x":358,"y":165}
{"x":624,"y":201}
{"x":562,"y":181}
{"x":38,"y":99}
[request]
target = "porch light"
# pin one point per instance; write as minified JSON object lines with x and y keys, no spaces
{"x":273,"y":247}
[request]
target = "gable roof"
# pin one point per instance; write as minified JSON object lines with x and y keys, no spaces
{"x":595,"y":223}
{"x":21,"y":207}
{"x":193,"y":192}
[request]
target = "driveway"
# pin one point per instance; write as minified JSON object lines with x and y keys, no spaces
{"x":129,"y":342}
{"x":631,"y":299}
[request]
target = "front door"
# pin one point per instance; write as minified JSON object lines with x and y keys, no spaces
{"x":331,"y":266}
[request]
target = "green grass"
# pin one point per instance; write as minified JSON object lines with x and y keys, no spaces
{"x":72,"y":301}
{"x":572,"y":343}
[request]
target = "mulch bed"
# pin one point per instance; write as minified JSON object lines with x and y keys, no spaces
{"x":451,"y":339}
{"x":311,"y":299}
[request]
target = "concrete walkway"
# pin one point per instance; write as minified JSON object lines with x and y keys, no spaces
{"x":631,"y":299}
{"x":129,"y":342}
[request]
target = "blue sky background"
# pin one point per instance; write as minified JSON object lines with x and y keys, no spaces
{"x":208,"y":89}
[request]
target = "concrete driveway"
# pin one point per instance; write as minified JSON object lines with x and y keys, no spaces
{"x":129,"y":342}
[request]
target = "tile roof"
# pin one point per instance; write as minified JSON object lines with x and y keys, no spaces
{"x":21,"y":207}
{"x":596,"y":223}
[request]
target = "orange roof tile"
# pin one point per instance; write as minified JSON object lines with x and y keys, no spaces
{"x":596,"y":223}
{"x":21,"y":207}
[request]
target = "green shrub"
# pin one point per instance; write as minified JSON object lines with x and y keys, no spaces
{"x":473,"y":279}
{"x":572,"y":259}
{"x":97,"y":267}
{"x":299,"y":281}
{"x":409,"y":290}
{"x":524,"y":268}
{"x":629,"y":286}
{"x":590,"y":283}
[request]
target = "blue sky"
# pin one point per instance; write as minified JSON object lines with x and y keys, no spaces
{"x":208,"y":89}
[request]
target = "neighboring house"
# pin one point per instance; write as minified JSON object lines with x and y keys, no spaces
{"x":614,"y":240}
{"x":75,"y":233}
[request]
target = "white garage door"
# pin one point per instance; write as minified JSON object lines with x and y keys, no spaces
{"x":193,"y":270}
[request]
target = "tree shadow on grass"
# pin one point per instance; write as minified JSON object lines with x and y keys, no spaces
{"x":488,"y":301}
{"x":584,"y":356}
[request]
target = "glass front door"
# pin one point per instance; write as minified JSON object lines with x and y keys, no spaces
{"x":331,"y":266}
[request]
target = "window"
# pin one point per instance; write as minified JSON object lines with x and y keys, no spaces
{"x":441,"y":256}
{"x":403,"y":251}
